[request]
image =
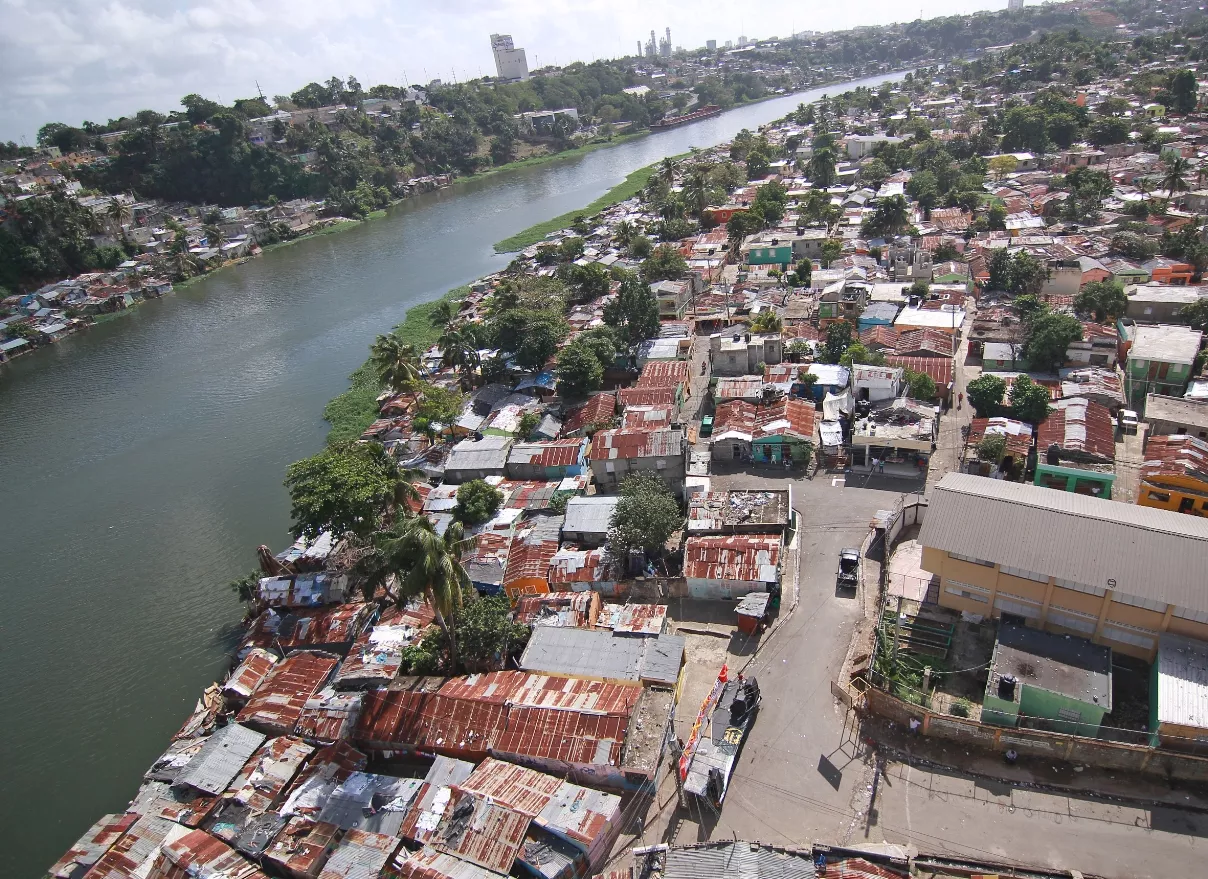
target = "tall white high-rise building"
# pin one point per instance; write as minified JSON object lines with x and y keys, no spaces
{"x":510,"y":62}
{"x":1014,"y":5}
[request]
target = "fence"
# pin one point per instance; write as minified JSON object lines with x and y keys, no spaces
{"x":1036,"y":743}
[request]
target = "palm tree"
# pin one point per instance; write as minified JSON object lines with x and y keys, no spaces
{"x":767,"y":322}
{"x":666,"y":171}
{"x":696,"y":191}
{"x":822,"y":168}
{"x":460,"y":352}
{"x":396,"y":362}
{"x":426,"y":564}
{"x":119,"y":213}
{"x":624,"y":232}
{"x":443,"y":314}
{"x":1175,"y":178}
{"x":185,"y":263}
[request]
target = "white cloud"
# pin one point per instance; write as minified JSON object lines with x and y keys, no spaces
{"x":71,"y":60}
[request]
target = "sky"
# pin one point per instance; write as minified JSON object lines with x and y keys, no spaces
{"x":71,"y":60}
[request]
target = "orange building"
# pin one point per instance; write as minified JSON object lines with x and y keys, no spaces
{"x":1174,"y":475}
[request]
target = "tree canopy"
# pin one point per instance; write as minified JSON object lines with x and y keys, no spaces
{"x":477,"y":502}
{"x":342,"y":488}
{"x":646,"y":515}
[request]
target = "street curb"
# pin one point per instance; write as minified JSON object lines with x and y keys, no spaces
{"x":909,"y":759}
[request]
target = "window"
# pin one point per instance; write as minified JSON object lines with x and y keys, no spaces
{"x":1072,"y":619}
{"x":1081,"y":587}
{"x":1198,"y":616}
{"x":968,"y":591}
{"x":610,"y":467}
{"x":1024,"y":574}
{"x":1128,"y":635}
{"x":1069,"y":714}
{"x":970,"y":559}
{"x":1148,"y":309}
{"x":1159,"y":496}
{"x":1018,"y":608}
{"x":1134,"y":601}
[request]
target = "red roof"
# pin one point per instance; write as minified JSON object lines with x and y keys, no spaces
{"x":303,"y":846}
{"x":199,"y":854}
{"x":92,"y":845}
{"x":525,"y":790}
{"x":663,"y":374}
{"x":319,"y":627}
{"x":646,"y":397}
{"x":394,"y":719}
{"x":277,"y":703}
{"x":1017,"y":433}
{"x":739,"y":558}
{"x":529,"y":560}
{"x":248,"y":675}
{"x":1177,"y":455}
{"x":571,"y":565}
{"x":924,"y":342}
{"x":788,"y":416}
{"x":268,"y":772}
{"x":544,"y":691}
{"x":1080,"y":426}
{"x":600,"y":409}
{"x":647,"y":417}
{"x":554,"y":453}
{"x":875,"y":338}
{"x":565,"y":736}
{"x":939,"y":368}
{"x":613,"y":445}
{"x":489,"y":835}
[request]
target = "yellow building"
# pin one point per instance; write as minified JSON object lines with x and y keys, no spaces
{"x":1174,"y":475}
{"x":1118,"y":574}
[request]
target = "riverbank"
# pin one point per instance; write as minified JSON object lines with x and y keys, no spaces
{"x":355,"y":409}
{"x":626,"y":189}
{"x":546,"y":158}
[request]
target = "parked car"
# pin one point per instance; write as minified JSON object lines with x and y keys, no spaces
{"x":1128,"y":421}
{"x":848,"y":574}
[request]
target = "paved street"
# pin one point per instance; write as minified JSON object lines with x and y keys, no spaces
{"x":804,"y":777}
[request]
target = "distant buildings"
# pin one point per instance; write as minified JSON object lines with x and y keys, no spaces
{"x":1014,"y":5}
{"x":510,"y":63}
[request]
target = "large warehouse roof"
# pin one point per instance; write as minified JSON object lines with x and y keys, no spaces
{"x":1139,"y":551}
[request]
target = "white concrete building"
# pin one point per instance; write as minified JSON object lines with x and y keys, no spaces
{"x":510,"y":62}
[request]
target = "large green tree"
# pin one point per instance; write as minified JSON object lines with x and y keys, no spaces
{"x":646,"y":515}
{"x":1050,"y":333}
{"x":986,"y":393}
{"x":634,"y":313}
{"x":1101,"y":300}
{"x":342,"y":488}
{"x":396,"y":362}
{"x":1029,"y":401}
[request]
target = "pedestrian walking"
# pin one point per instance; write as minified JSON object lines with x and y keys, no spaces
{"x":960,"y":399}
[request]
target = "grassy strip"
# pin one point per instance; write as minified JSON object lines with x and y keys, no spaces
{"x":626,"y":189}
{"x":355,"y":409}
{"x":546,"y":158}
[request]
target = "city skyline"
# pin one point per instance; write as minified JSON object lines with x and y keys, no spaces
{"x":62,"y":62}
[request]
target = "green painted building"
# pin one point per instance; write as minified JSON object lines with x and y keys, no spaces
{"x":1159,"y":361}
{"x":1038,"y":679}
{"x":779,"y":254}
{"x":1095,"y":483}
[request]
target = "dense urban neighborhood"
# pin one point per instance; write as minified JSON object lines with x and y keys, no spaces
{"x":836,"y":505}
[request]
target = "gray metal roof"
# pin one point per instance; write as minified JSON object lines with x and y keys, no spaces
{"x":1072,"y":667}
{"x":593,"y":653}
{"x":1180,"y":410}
{"x":488,"y":453}
{"x":740,"y":860}
{"x":1139,"y":551}
{"x":374,"y":803}
{"x":224,"y":754}
{"x":590,"y":515}
{"x":1182,"y":694}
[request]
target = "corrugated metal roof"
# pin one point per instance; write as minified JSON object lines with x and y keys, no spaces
{"x":322,"y":627}
{"x":570,"y":565}
{"x":664,"y":397}
{"x":1080,"y":428}
{"x":265,"y":776}
{"x":329,"y":715}
{"x":589,"y":515}
{"x":248,"y":675}
{"x":640,"y":619}
{"x":1176,"y":455}
{"x":554,"y":453}
{"x":599,"y":409}
{"x":398,"y":718}
{"x":556,"y":609}
{"x":663,"y":374}
{"x":377,"y":655}
{"x":360,"y":855}
{"x":428,"y":863}
{"x":1139,"y":551}
{"x":484,"y":833}
{"x":738,"y":859}
{"x":277,"y":703}
{"x":579,"y":813}
{"x":739,"y":558}
{"x":376,"y":803}
{"x":326,"y":769}
{"x":89,"y":848}
{"x":583,"y":653}
{"x":302,"y":847}
{"x":612,"y":445}
{"x":647,"y":417}
{"x":224,"y":754}
{"x":1182,"y":694}
{"x":197,"y":854}
{"x":566,"y":736}
{"x":516,"y":787}
{"x":136,"y":848}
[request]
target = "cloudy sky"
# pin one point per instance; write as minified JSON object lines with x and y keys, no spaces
{"x":71,"y":60}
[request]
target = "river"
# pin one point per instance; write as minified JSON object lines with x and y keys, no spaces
{"x":141,"y":465}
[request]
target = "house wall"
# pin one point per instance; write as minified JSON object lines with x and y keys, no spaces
{"x":774,"y":450}
{"x":731,"y":450}
{"x":718,"y":589}
{"x":672,"y":472}
{"x":1142,"y":377}
{"x":1181,"y":494}
{"x":1038,"y":702}
{"x":1074,"y":479}
{"x":526,"y":586}
{"x":1099,"y":615}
